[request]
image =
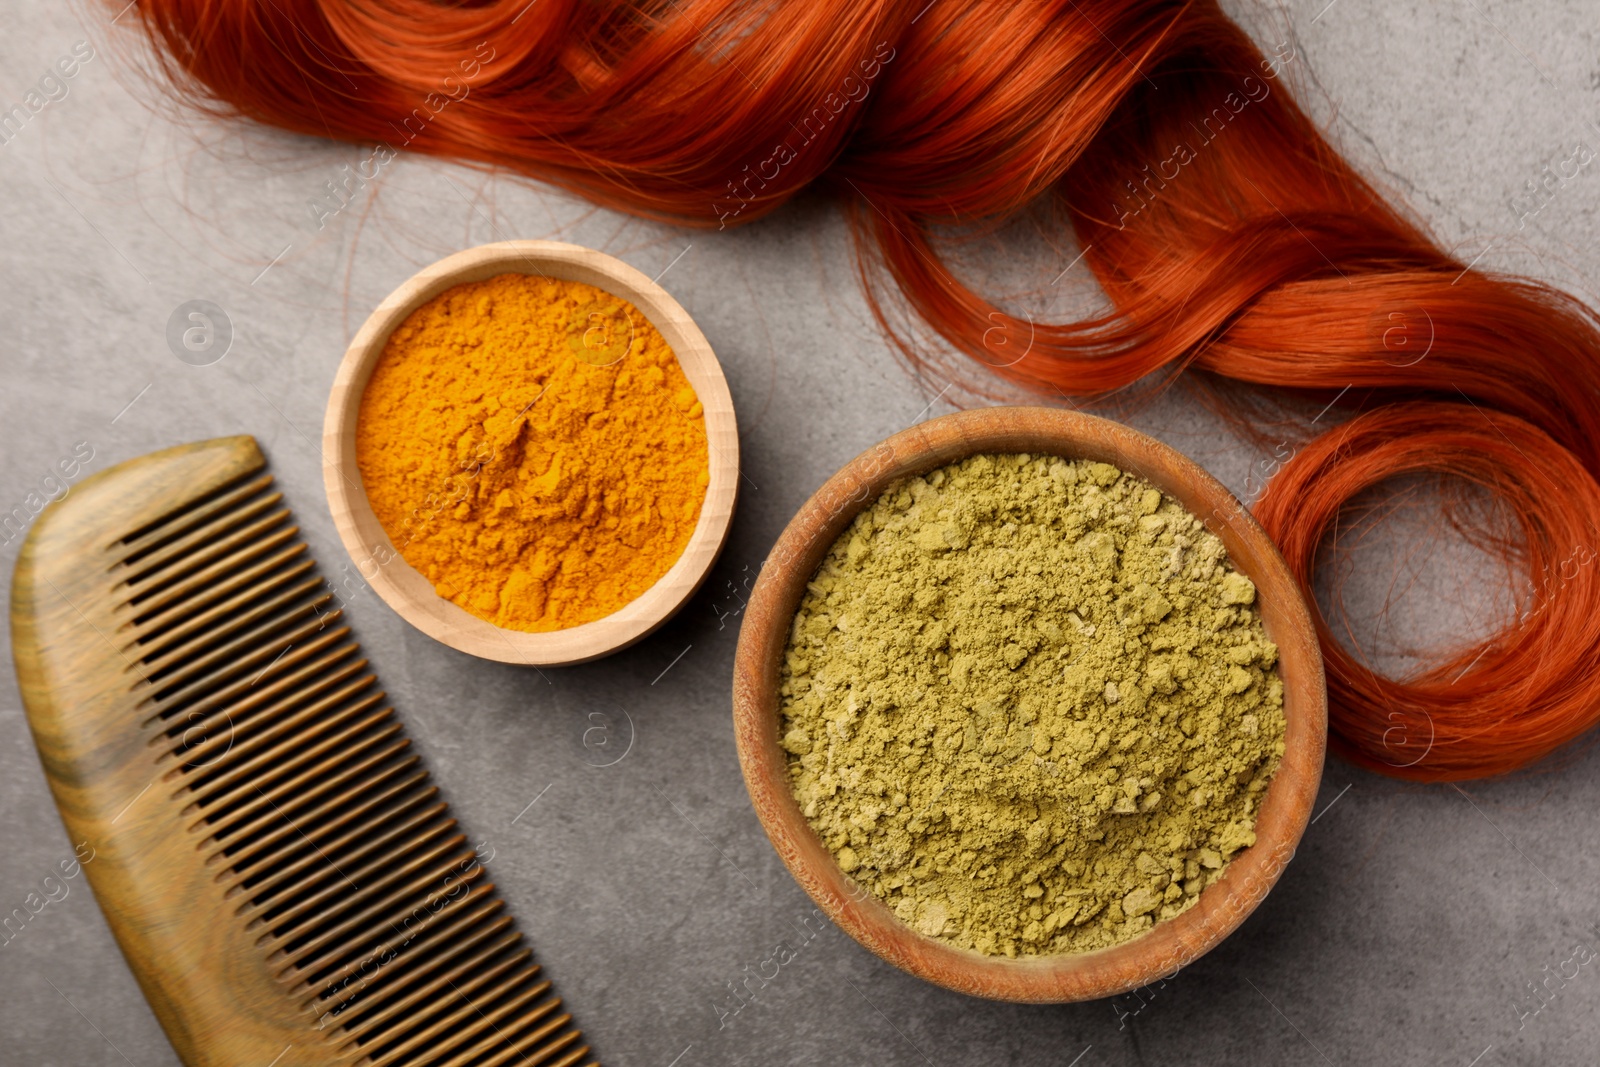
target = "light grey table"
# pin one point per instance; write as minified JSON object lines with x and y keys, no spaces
{"x":1406,"y":932}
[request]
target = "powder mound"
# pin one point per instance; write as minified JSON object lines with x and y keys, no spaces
{"x":532,"y":447}
{"x":1029,"y":704}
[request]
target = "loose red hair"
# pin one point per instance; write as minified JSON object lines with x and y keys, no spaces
{"x":1227,"y":233}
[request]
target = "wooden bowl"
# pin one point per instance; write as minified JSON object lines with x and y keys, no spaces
{"x":407,"y":591}
{"x":1169,"y":944}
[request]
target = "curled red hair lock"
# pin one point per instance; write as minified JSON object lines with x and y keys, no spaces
{"x":1499,"y":704}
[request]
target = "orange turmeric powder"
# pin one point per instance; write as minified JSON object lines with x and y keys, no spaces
{"x":532,"y":447}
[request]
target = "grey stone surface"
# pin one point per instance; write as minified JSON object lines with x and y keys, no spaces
{"x":1406,"y":932}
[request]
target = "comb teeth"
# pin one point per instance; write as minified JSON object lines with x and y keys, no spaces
{"x":340,"y":865}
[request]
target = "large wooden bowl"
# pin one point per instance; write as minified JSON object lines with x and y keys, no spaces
{"x":1168,"y":945}
{"x":407,"y":591}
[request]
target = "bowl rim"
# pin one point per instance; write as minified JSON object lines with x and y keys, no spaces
{"x":405,"y":590}
{"x":1283,"y":814}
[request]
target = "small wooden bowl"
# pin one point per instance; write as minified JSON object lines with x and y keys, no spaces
{"x":1168,"y":945}
{"x":412,"y":595}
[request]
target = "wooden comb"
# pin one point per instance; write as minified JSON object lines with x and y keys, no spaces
{"x":282,"y":876}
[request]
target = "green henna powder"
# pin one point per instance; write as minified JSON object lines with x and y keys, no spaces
{"x":1029,"y":704}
